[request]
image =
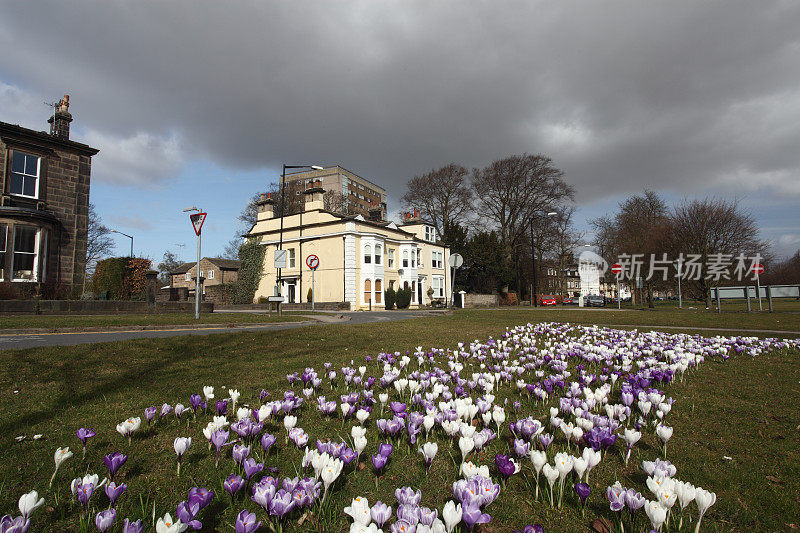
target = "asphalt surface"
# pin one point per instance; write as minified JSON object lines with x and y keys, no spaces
{"x":20,"y":341}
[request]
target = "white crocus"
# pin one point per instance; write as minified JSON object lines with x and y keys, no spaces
{"x":129,"y":426}
{"x":564,"y":463}
{"x":234,"y":394}
{"x":359,"y":511}
{"x":466,"y":445}
{"x":359,"y":443}
{"x":451,"y":514}
{"x":664,"y":433}
{"x":61,"y":455}
{"x":656,"y":512}
{"x":168,"y":525}
{"x":631,"y":437}
{"x":358,"y":431}
{"x":29,"y":502}
{"x":579,"y":464}
{"x":181,"y":444}
{"x":208,"y":392}
{"x":551,"y":474}
{"x":428,"y":451}
{"x":362,"y":415}
{"x":704,"y":500}
{"x":539,"y":459}
{"x":330,"y":472}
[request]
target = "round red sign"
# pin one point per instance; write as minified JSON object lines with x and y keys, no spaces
{"x":758,"y":268}
{"x":312,"y":261}
{"x":616,"y":268}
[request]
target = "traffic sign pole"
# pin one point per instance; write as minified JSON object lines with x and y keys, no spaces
{"x":197,"y":220}
{"x":616,"y":268}
{"x":312,"y":262}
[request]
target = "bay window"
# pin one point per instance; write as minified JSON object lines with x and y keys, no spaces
{"x":25,"y":258}
{"x":3,"y":241}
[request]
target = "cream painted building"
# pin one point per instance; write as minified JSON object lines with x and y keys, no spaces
{"x":358,"y":257}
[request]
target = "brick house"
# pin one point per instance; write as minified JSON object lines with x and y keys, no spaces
{"x":213,"y":271}
{"x":44,"y":204}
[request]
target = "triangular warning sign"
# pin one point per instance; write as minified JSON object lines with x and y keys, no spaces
{"x":197,"y":221}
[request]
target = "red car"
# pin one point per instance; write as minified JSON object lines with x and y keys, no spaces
{"x":547,"y":300}
{"x":568,"y":300}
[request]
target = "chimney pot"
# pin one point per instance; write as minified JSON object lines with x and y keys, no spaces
{"x":59,"y":122}
{"x":263,"y":197}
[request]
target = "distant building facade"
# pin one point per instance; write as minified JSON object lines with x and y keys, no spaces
{"x":44,"y":204}
{"x":359,"y":257}
{"x":213,"y":271}
{"x":359,"y":195}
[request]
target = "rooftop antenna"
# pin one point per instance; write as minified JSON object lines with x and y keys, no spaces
{"x":54,"y":105}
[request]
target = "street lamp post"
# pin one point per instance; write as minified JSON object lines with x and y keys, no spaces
{"x":533,"y":258}
{"x":196,"y":269}
{"x":283,"y":207}
{"x":128,"y":236}
{"x":678,"y":264}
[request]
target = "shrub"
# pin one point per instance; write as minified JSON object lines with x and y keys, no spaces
{"x":8,"y":291}
{"x":310,"y":295}
{"x":251,"y":257}
{"x":403,"y":298}
{"x":125,"y":278}
{"x":389,"y":297}
{"x":509,"y":298}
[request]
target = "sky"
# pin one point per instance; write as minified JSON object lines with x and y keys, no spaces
{"x":198,"y":102}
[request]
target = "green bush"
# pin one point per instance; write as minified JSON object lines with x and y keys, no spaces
{"x":389,"y":297}
{"x":310,"y":295}
{"x":124,"y":278}
{"x":403,"y":298}
{"x":251,"y":257}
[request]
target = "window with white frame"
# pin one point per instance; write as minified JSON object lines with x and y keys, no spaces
{"x":413,"y":259}
{"x":419,"y":258}
{"x":390,"y":257}
{"x":24,"y":260}
{"x":367,"y":254}
{"x":405,"y":258}
{"x":210,"y":274}
{"x":437,"y":259}
{"x":3,"y":244}
{"x":188,"y":276}
{"x":378,"y":254}
{"x":201,"y":273}
{"x":24,"y":175}
{"x":430,"y":233}
{"x":437,"y":284}
{"x":291,"y":257}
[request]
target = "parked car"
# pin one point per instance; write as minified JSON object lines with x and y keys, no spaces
{"x":569,"y":300}
{"x":547,"y":299}
{"x":594,"y":300}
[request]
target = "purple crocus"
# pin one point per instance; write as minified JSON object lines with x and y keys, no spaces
{"x":401,"y":526}
{"x":471,"y":514}
{"x":233,"y":484}
{"x":240,"y":453}
{"x":194,"y":401}
{"x":200,"y":495}
{"x":246,"y":522}
{"x":132,"y":527}
{"x":114,"y":462}
{"x":583,"y":490}
{"x":252,"y":468}
{"x":385,"y":449}
{"x":535,"y":528}
{"x":114,"y":491}
{"x":380,"y":513}
{"x":218,"y":439}
{"x":150,"y":413}
{"x":408,"y":496}
{"x":85,"y":434}
{"x":267,"y":440}
{"x":165,"y":410}
{"x":347,"y":456}
{"x":187,"y":513}
{"x":379,"y":461}
{"x":222,"y":407}
{"x":84,"y":492}
{"x":104,"y":520}
{"x":19,"y":524}
{"x":505,"y":465}
{"x":281,"y":504}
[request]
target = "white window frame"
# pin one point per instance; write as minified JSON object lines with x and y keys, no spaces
{"x":419,"y":259}
{"x":438,"y":292}
{"x":201,"y":273}
{"x":378,"y":254}
{"x":405,"y":259}
{"x":367,"y":256}
{"x":211,"y":274}
{"x":4,"y":251}
{"x":37,"y":177}
{"x":390,"y":257}
{"x":291,"y":260}
{"x":188,"y":276}
{"x":35,"y":272}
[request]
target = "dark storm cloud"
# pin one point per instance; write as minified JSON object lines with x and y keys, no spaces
{"x":680,"y":96}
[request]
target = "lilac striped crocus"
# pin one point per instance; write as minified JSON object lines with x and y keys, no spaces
{"x":200,"y":495}
{"x":233,"y":484}
{"x":114,"y":491}
{"x":187,"y":514}
{"x":114,"y":462}
{"x":104,"y":520}
{"x":380,"y":513}
{"x":246,"y":522}
{"x":84,"y":435}
{"x":132,"y":527}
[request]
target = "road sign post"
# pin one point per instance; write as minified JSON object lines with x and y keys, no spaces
{"x":455,"y":261}
{"x":758,"y":268}
{"x":197,"y":220}
{"x":616,"y":268}
{"x":312,"y":261}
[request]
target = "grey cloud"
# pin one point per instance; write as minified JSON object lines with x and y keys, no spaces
{"x":681,"y":96}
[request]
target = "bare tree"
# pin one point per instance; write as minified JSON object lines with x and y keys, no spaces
{"x":99,"y":243}
{"x":512,"y":190}
{"x":443,"y":195}
{"x":712,"y":226}
{"x":565,"y":238}
{"x":334,"y":202}
{"x":169,"y":263}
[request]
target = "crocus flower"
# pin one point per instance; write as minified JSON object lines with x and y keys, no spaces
{"x":330,"y":473}
{"x":703,"y":498}
{"x":267,"y":440}
{"x":84,"y":435}
{"x":179,"y":409}
{"x":150,"y":413}
{"x":29,"y":502}
{"x":664,"y":433}
{"x":114,"y":462}
{"x":165,"y":410}
{"x":114,"y":491}
{"x":246,"y":522}
{"x":128,"y":427}
{"x":657,"y":514}
{"x":19,"y":524}
{"x":218,"y":439}
{"x":380,"y":513}
{"x":428,"y":451}
{"x":187,"y":513}
{"x":472,"y":515}
{"x":181,"y":444}
{"x":105,"y":520}
{"x":379,"y":461}
{"x":167,"y":525}
{"x":359,"y":511}
{"x":252,"y":468}
{"x":582,"y":490}
{"x":505,"y":465}
{"x":194,"y":402}
{"x":233,"y":484}
{"x":240,"y":453}
{"x":132,"y":527}
{"x":61,"y":455}
{"x":208,"y":392}
{"x":551,"y":474}
{"x":281,"y":504}
{"x":201,"y":495}
{"x":535,"y":528}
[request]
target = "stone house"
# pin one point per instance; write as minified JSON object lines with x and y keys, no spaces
{"x":213,"y":271}
{"x":44,"y":204}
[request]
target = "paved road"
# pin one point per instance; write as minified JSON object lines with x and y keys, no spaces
{"x":19,"y":341}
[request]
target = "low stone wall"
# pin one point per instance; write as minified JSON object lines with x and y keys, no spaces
{"x":98,"y":307}
{"x":481,"y":300}
{"x":305,"y":306}
{"x":219,"y":294}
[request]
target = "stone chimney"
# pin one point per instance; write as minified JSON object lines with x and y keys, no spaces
{"x":266,"y":207}
{"x":59,"y":122}
{"x":314,"y":196}
{"x":411,"y":218}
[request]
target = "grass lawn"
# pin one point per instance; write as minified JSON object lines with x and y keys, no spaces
{"x":745,"y":408}
{"x":161,"y":319}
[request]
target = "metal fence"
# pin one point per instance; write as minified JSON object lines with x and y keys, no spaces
{"x":769,"y":292}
